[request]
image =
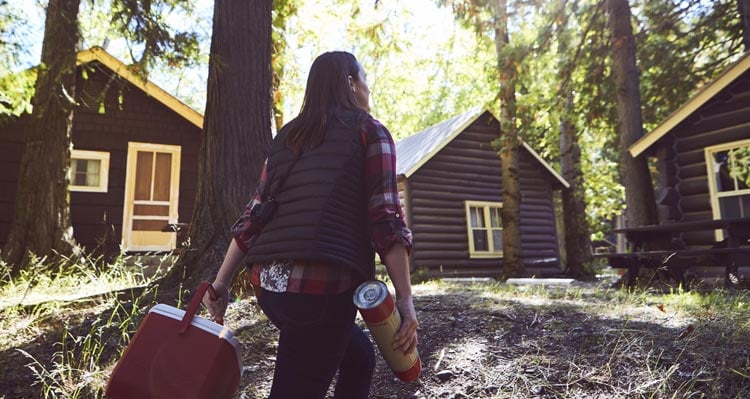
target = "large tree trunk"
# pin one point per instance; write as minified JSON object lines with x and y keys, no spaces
{"x":579,"y":259}
{"x":41,"y":220}
{"x":744,"y":9}
{"x":236,"y":133}
{"x":639,"y":191}
{"x":507,"y":63}
{"x":577,"y":234}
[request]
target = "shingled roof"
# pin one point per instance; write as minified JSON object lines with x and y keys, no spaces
{"x":415,"y":150}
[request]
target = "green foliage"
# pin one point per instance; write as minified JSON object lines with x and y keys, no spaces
{"x":16,"y":87}
{"x":166,"y":40}
{"x":680,"y":47}
{"x":145,"y":23}
{"x":78,"y":366}
{"x":420,"y":72}
{"x":739,"y":165}
{"x":282,"y":11}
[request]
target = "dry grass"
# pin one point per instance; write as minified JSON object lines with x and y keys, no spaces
{"x":476,"y":341}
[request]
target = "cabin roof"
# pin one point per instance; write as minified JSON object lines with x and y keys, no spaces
{"x":705,"y":94}
{"x":99,"y":54}
{"x":414,"y":151}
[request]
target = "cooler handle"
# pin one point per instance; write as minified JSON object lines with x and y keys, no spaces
{"x":195,"y":303}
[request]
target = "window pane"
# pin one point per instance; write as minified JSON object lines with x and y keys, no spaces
{"x":162,"y":176}
{"x":730,"y":207}
{"x":745,"y":199}
{"x":480,"y":240}
{"x":497,"y":239}
{"x":92,"y":172}
{"x":739,"y":166}
{"x":477,"y":217}
{"x":79,"y":172}
{"x":88,"y":170}
{"x":495,"y":218}
{"x":143,"y":170}
{"x":724,"y":181}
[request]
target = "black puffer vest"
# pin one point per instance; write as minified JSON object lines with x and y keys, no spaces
{"x":322,"y":205}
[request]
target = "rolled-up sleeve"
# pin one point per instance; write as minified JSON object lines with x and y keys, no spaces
{"x":386,"y":217}
{"x":242,"y":230}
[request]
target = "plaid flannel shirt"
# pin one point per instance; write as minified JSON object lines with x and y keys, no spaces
{"x":384,"y":212}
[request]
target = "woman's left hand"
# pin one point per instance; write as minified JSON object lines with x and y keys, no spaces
{"x":405,"y":339}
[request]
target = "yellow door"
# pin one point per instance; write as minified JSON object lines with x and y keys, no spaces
{"x":152,"y":186}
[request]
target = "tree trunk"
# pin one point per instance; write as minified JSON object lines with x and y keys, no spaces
{"x":639,"y":192}
{"x":41,"y":220}
{"x":744,"y":8}
{"x":577,"y":235}
{"x":236,"y":133}
{"x":507,"y":63}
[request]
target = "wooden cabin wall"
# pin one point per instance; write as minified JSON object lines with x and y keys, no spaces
{"x":541,"y":249}
{"x":112,"y":113}
{"x":130,"y":115}
{"x":12,"y":142}
{"x":723,"y":119}
{"x":470,"y":169}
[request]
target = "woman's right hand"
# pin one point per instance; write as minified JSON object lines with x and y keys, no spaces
{"x":217,"y":307}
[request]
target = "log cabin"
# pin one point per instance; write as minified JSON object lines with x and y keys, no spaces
{"x":702,"y":155}
{"x":450,"y":186}
{"x":134,"y":162}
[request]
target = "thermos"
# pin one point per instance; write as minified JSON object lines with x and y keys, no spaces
{"x":377,"y":308}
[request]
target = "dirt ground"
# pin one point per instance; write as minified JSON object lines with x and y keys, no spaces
{"x":572,"y":342}
{"x":491,"y":341}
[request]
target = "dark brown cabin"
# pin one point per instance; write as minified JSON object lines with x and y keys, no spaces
{"x":450,"y":183}
{"x":134,"y":161}
{"x":702,"y":154}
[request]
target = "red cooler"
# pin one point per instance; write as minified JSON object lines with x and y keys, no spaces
{"x":175,"y":354}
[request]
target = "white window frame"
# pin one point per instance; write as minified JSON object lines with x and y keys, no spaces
{"x":716,"y":195}
{"x":103,"y":158}
{"x":495,"y":249}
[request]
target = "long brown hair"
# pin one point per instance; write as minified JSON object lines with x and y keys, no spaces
{"x":328,"y":92}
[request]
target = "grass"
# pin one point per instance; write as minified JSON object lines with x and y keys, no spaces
{"x":75,"y":307}
{"x":65,"y":327}
{"x":596,"y":342}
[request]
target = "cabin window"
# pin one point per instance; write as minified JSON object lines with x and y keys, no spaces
{"x":89,"y":171}
{"x":485,"y":229}
{"x":729,"y":177}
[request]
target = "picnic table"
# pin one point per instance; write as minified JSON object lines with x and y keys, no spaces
{"x":660,"y":246}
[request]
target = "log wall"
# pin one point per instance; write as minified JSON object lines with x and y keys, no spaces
{"x":723,"y":119}
{"x":469,"y":169}
{"x":111,"y":113}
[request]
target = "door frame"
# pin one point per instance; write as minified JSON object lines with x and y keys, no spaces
{"x":128,"y":202}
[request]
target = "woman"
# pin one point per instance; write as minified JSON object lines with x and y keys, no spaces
{"x":330,"y":174}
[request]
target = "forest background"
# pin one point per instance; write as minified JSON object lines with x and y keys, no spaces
{"x":425,"y":65}
{"x":426,"y":61}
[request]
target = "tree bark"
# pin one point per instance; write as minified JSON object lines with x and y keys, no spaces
{"x":41,"y":220}
{"x":639,"y":192}
{"x":236,"y":134}
{"x":579,"y":259}
{"x":507,"y":63}
{"x":577,"y":234}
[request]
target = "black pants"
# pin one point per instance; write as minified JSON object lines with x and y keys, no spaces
{"x":317,"y":337}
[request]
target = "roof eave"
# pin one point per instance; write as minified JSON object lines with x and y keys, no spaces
{"x":100,"y":55}
{"x":687,"y":109}
{"x":462,"y":127}
{"x":544,"y":163}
